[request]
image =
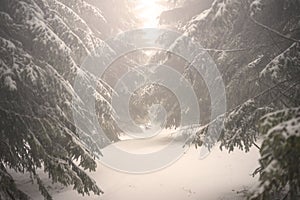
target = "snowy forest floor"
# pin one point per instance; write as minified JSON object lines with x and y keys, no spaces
{"x":220,"y":176}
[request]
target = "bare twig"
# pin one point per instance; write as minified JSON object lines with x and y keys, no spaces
{"x":269,"y":89}
{"x":273,"y":31}
{"x":256,"y":145}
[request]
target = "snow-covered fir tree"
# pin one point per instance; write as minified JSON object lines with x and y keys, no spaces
{"x":255,"y":45}
{"x":42,"y":45}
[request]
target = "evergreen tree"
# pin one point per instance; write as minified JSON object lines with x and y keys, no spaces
{"x":280,"y":154}
{"x":256,"y":47}
{"x":42,"y":45}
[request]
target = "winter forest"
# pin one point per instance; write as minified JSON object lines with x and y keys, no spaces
{"x":150,"y":99}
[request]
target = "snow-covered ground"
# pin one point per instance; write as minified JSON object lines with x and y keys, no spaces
{"x":220,"y":176}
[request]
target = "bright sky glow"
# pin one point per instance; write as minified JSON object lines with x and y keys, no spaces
{"x":148,"y":12}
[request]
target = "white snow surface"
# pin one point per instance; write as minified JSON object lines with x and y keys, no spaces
{"x":220,"y":176}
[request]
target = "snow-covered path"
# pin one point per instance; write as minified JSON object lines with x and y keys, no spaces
{"x":218,"y":176}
